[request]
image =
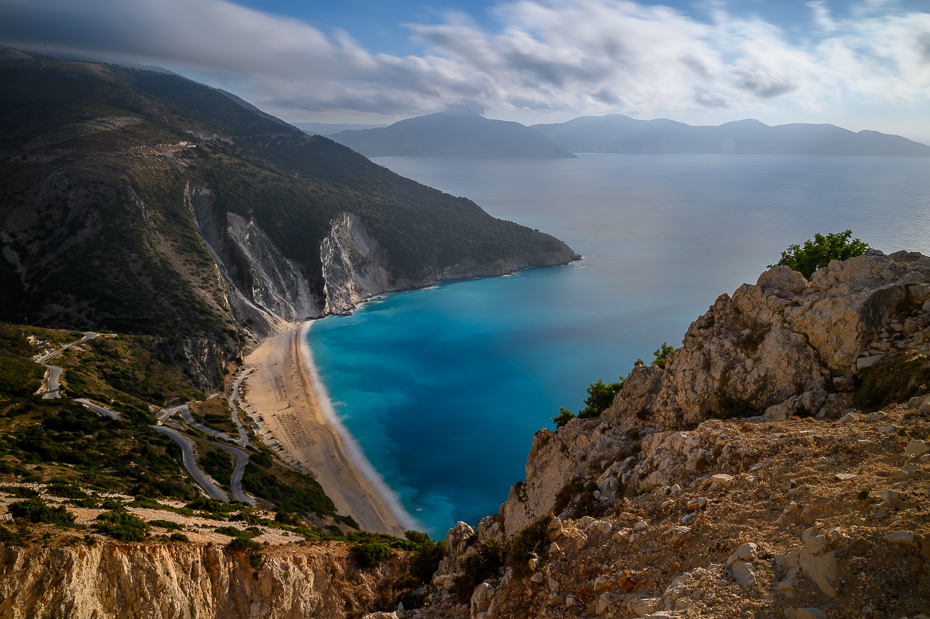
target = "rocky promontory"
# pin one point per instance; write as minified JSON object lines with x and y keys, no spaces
{"x":775,"y":467}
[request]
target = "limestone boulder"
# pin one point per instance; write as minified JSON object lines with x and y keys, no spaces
{"x":739,"y":351}
{"x":782,"y":279}
{"x":456,"y":548}
{"x":638,"y":393}
{"x":480,"y":599}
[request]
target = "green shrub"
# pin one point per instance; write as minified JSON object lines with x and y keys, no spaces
{"x":477,"y":567}
{"x":65,"y":490}
{"x":36,"y":510}
{"x":121,"y":525}
{"x":179,"y":537}
{"x":662,"y":355}
{"x":7,"y":536}
{"x":370,"y":555}
{"x":211,"y":506}
{"x":367,"y":537}
{"x":426,"y":557}
{"x":167,"y":524}
{"x":21,"y":492}
{"x":600,"y":397}
{"x":234,"y":532}
{"x":146,"y":503}
{"x":531,"y":538}
{"x":819,"y":252}
{"x":563,"y":417}
{"x":241,"y":544}
{"x":288,"y":519}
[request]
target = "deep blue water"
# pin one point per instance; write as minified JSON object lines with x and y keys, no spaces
{"x":444,"y":388}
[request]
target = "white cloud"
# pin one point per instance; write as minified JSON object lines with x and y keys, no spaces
{"x":568,"y":56}
{"x":822,"y":17}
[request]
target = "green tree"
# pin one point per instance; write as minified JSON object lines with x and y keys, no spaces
{"x":600,"y":397}
{"x":819,"y":252}
{"x":662,"y":355}
{"x":563,"y":417}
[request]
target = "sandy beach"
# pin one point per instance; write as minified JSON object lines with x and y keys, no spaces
{"x":282,"y":396}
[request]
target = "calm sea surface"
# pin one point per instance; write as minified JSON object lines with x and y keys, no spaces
{"x":444,"y":388}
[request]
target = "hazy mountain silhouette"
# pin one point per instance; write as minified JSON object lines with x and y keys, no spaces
{"x":331,"y":128}
{"x":451,"y":135}
{"x":621,"y":134}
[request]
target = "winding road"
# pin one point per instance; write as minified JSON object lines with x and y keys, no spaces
{"x":190,"y":463}
{"x":54,"y":372}
{"x":235,"y":484}
{"x":234,"y":395}
{"x":187,"y":446}
{"x":100,"y":410}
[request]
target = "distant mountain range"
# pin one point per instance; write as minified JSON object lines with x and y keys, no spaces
{"x":621,"y":134}
{"x":452,"y":135}
{"x":461,"y":135}
{"x":331,"y":128}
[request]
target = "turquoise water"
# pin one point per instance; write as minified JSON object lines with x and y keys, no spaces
{"x":444,"y":388}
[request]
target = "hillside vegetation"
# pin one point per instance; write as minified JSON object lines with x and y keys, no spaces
{"x":96,"y":225}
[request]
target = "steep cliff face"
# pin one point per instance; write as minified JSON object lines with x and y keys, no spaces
{"x":263,"y":286}
{"x":355,"y":267}
{"x":660,"y":506}
{"x":113,"y":581}
{"x":277,"y":283}
{"x":266,"y":287}
{"x":772,"y":349}
{"x":201,"y":360}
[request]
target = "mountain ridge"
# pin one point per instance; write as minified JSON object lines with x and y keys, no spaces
{"x":220,"y":212}
{"x":451,"y":135}
{"x":616,"y":133}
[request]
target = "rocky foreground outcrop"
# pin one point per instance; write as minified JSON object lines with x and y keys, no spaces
{"x":741,"y":480}
{"x":160,"y":581}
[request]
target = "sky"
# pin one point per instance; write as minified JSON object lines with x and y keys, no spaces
{"x":861,"y":64}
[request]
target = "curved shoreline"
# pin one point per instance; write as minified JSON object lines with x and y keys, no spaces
{"x":355,"y":453}
{"x":295,"y":418}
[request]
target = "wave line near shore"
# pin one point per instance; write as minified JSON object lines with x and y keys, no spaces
{"x":298,"y":418}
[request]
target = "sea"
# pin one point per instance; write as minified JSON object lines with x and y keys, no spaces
{"x":444,"y":388}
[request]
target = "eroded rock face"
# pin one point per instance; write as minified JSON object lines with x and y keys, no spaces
{"x":780,"y":339}
{"x":276,"y":284}
{"x":110,"y":581}
{"x":263,"y":287}
{"x":201,"y":360}
{"x":355,"y":267}
{"x":655,"y":482}
{"x":777,"y":347}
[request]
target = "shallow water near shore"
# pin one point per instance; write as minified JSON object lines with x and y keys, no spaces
{"x":443,"y":388}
